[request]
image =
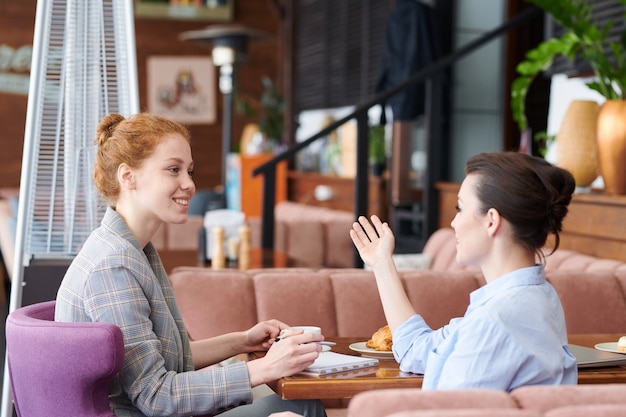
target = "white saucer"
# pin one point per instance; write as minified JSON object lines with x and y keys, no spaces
{"x":369,"y":352}
{"x":608,"y":347}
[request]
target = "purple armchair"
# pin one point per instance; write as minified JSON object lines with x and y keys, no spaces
{"x":61,"y":369}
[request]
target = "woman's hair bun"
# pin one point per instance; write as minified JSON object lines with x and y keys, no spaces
{"x":560,"y":199}
{"x":107,"y":127}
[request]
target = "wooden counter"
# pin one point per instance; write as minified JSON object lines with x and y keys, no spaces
{"x":448,"y":192}
{"x":595,"y":224}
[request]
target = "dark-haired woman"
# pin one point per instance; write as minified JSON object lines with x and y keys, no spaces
{"x":513,"y":332}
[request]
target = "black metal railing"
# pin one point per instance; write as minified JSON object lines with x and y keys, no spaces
{"x":268,"y":169}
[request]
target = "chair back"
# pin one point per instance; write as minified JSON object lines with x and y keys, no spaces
{"x":61,"y":369}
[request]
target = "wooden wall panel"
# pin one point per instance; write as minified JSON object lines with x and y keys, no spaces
{"x":596,"y":225}
{"x":447,"y":202}
{"x":153,"y":37}
{"x":301,"y":188}
{"x":17,"y":20}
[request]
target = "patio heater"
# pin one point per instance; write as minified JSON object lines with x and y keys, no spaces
{"x":83,"y":68}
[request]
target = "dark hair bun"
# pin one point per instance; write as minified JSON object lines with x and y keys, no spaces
{"x":559,"y":196}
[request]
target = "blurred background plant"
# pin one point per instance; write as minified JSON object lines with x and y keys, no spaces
{"x":583,"y":40}
{"x":269,"y":110}
{"x":377,"y":150}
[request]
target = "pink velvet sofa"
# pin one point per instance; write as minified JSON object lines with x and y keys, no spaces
{"x":345,"y":301}
{"x":311,"y":236}
{"x":602,"y":400}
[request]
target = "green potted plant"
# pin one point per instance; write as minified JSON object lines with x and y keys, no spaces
{"x":270,"y":110}
{"x":377,"y":153}
{"x":585,"y":40}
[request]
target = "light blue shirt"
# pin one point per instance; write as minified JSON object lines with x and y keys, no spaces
{"x":513,"y":334}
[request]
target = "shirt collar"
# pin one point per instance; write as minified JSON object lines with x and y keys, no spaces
{"x":532,"y":275}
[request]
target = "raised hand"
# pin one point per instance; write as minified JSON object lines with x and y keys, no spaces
{"x":374,"y":240}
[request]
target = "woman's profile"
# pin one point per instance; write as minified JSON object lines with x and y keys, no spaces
{"x":513,"y":332}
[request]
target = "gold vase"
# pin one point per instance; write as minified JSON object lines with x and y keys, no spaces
{"x":612,"y":145}
{"x":577,"y":147}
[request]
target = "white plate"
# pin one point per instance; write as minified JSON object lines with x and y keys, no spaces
{"x":608,"y":347}
{"x":369,"y":352}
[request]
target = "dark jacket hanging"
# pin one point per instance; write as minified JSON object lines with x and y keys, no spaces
{"x":409,"y":46}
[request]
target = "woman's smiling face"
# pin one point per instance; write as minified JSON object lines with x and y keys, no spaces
{"x":164,"y":180}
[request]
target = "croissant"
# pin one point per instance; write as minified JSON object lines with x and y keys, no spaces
{"x":621,"y":344}
{"x":381,"y":339}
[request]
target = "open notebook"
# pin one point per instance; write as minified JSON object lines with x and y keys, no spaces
{"x":587,"y":357}
{"x":333,"y":362}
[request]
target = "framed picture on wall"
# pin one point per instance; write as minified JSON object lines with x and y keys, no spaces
{"x":210,"y":10}
{"x":182,"y":88}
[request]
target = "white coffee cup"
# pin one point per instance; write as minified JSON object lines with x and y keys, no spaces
{"x":306,"y":329}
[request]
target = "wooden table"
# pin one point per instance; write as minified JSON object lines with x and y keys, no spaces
{"x":346,"y":384}
{"x":606,"y":375}
{"x":387,"y":375}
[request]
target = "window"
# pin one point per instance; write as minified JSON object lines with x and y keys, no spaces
{"x":339,"y":47}
{"x":604,"y":11}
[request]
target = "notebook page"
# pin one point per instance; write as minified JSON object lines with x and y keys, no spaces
{"x":332,"y":362}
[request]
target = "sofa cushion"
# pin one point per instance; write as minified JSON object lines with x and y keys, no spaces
{"x":596,"y":410}
{"x":543,"y":399}
{"x":440,"y":245}
{"x":185,"y":236}
{"x":440,"y":297}
{"x":296,"y":298}
{"x":301,"y":241}
{"x":593,"y":302}
{"x":379,"y":402}
{"x":358,"y":306}
{"x":206,"y":297}
{"x":340,"y":251}
{"x":314,"y":235}
{"x":470,"y":412}
{"x":564,"y":259}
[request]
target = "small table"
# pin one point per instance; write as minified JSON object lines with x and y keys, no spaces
{"x":604,"y":375}
{"x":346,"y":384}
{"x":387,"y":374}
